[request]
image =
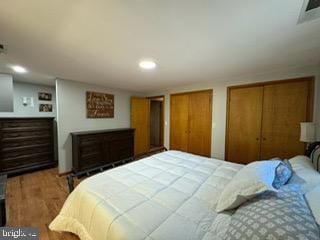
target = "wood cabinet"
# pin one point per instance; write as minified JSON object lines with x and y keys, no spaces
{"x":26,"y":144}
{"x":190,"y":122}
{"x":93,"y":149}
{"x":264,"y":119}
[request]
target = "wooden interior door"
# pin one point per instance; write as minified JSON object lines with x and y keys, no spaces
{"x":179,"y":122}
{"x":244,"y":124}
{"x":285,"y":106}
{"x":200,"y":119}
{"x":140,"y":121}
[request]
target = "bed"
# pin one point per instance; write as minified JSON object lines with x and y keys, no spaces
{"x":170,"y":195}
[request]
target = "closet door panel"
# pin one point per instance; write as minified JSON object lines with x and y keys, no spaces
{"x":179,"y":122}
{"x":140,"y":121}
{"x":244,"y":124}
{"x":285,"y":106}
{"x":200,"y":115}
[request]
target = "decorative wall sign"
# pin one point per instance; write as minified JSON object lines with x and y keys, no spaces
{"x":45,"y":96}
{"x":45,"y":107}
{"x":100,"y":105}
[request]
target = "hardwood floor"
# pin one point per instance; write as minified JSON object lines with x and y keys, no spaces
{"x":35,"y":199}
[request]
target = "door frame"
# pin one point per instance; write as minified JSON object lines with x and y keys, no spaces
{"x":210,"y":90}
{"x":310,"y":109}
{"x":162,"y":127}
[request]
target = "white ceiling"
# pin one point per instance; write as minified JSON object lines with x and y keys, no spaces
{"x":102,"y":41}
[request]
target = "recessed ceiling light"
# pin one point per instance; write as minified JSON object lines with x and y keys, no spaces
{"x":147,"y":64}
{"x":19,"y":69}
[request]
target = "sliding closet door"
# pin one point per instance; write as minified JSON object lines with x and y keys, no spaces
{"x":200,"y":111}
{"x":140,"y":121}
{"x":285,"y":106}
{"x":244,"y":124}
{"x":190,"y":122}
{"x":179,"y":122}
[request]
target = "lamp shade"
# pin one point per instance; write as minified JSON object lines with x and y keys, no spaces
{"x":308,"y":132}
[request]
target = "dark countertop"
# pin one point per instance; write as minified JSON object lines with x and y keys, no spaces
{"x":102,"y":131}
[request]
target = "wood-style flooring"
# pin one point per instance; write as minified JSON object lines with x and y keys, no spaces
{"x":34,"y":200}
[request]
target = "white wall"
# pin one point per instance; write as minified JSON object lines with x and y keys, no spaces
{"x":220,"y":101}
{"x":71,"y":115}
{"x":30,"y":90}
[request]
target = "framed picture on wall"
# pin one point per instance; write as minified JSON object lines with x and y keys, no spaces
{"x":42,"y":96}
{"x":100,"y":105}
{"x":45,"y":107}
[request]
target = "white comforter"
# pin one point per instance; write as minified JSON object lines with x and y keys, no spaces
{"x":168,"y":196}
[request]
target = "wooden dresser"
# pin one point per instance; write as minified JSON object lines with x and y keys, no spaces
{"x":26,"y":144}
{"x":93,"y":149}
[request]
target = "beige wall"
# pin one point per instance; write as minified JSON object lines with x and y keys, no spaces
{"x":220,"y":100}
{"x":71,"y":115}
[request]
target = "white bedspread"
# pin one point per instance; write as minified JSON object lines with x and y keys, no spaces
{"x":168,"y":196}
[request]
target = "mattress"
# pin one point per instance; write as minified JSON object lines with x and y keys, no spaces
{"x":170,"y":195}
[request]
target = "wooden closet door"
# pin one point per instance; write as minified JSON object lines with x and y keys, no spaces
{"x":179,"y":122}
{"x":140,"y":121}
{"x":285,"y":106}
{"x":244,"y":124}
{"x":200,"y":115}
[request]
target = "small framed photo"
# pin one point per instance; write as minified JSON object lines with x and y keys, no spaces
{"x":45,"y":107}
{"x":45,"y":96}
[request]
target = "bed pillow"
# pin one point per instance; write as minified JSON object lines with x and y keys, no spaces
{"x":252,"y":180}
{"x":283,"y":174}
{"x":313,"y":199}
{"x":282,"y":215}
{"x":305,"y":174}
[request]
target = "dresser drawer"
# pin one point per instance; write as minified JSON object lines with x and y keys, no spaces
{"x":25,"y":123}
{"x":25,"y":133}
{"x":26,"y":142}
{"x":23,"y":161}
{"x":7,"y":153}
{"x":117,"y":135}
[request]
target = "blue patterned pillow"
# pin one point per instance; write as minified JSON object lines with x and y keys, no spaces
{"x":277,"y":216}
{"x":283,"y":174}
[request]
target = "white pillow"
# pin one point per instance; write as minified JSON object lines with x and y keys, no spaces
{"x":313,"y":198}
{"x":252,"y":180}
{"x":303,"y":169}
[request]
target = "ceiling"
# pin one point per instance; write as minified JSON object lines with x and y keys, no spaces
{"x":102,"y":41}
